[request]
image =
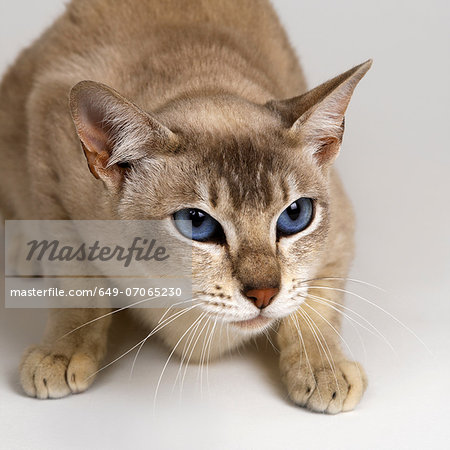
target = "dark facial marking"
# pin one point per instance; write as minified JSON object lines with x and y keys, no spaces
{"x":285,"y":190}
{"x":247,"y":168}
{"x":213,"y":195}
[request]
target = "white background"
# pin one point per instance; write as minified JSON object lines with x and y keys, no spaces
{"x":395,"y":165}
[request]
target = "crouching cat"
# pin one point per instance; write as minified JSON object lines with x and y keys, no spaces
{"x":170,"y":110}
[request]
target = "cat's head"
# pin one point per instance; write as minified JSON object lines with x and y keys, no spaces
{"x":254,"y":180}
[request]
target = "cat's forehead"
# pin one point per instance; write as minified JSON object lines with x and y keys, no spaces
{"x":254,"y":171}
{"x":237,"y":155}
{"x":216,"y":116}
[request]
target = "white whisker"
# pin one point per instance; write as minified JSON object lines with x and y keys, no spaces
{"x":192,"y":351}
{"x":293,"y":317}
{"x":209,"y":352}
{"x":200,"y":372}
{"x":340,"y":336}
{"x":330,"y":303}
{"x":187,"y":346}
{"x":328,"y":354}
{"x":106,"y":315}
{"x":354,"y":280}
{"x":376,"y":306}
{"x":324,"y":302}
{"x":168,"y":359}
{"x":155,"y":330}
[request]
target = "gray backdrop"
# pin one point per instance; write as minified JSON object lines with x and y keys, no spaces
{"x":395,"y":165}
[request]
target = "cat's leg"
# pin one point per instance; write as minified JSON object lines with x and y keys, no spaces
{"x":313,"y":366}
{"x":62,"y":365}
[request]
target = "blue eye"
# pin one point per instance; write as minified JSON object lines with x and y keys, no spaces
{"x":296,"y":217}
{"x":197,"y":225}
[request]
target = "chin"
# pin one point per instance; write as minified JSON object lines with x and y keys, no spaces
{"x":253,"y":326}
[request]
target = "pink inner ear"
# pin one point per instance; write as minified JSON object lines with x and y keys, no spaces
{"x":95,"y":139}
{"x":328,"y":150}
{"x":109,"y":126}
{"x":91,"y":129}
{"x":97,"y":162}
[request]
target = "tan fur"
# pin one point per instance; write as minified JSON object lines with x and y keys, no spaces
{"x":191,"y":96}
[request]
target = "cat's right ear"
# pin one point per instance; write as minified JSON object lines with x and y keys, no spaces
{"x":114,"y":132}
{"x":317,"y":117}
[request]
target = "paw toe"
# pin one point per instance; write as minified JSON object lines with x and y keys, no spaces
{"x":301,"y":384}
{"x":80,"y":373}
{"x":325,"y":389}
{"x":44,"y":374}
{"x":50,"y":377}
{"x":357,"y":383}
{"x":31,"y":359}
{"x":330,"y":392}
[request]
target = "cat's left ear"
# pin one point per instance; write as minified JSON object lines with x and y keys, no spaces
{"x":114,"y":132}
{"x":316,"y":118}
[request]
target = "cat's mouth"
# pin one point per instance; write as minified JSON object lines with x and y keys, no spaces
{"x":254,"y":324}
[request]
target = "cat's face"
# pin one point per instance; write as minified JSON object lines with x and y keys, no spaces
{"x":252,"y":178}
{"x":257,"y":201}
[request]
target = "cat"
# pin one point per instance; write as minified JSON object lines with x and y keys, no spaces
{"x":151,"y":109}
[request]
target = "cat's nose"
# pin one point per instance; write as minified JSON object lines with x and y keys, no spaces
{"x":261,"y":297}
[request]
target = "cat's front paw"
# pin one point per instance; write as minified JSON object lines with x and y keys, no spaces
{"x":46,"y":374}
{"x":322,"y":388}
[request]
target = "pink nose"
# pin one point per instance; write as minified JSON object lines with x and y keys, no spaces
{"x":262,"y":297}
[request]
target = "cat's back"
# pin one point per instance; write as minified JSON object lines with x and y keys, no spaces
{"x":96,"y":39}
{"x":87,"y":25}
{"x":108,"y":21}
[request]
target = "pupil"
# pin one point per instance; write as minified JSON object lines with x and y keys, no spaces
{"x":197,"y":218}
{"x":293,"y":211}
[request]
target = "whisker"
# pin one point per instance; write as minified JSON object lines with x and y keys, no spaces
{"x":329,"y":303}
{"x":376,"y":306}
{"x":168,"y":359}
{"x":293,"y":317}
{"x":316,"y":337}
{"x":155,"y":330}
{"x":255,"y":341}
{"x":301,"y":311}
{"x":354,"y":280}
{"x":145,"y":340}
{"x":204,"y":357}
{"x":299,"y":333}
{"x":267,"y":335}
{"x":340,"y":336}
{"x":200,"y":368}
{"x":171,"y":306}
{"x":318,"y":330}
{"x":209,"y":353}
{"x":351,"y":320}
{"x":192,"y":350}
{"x":106,"y":315}
{"x":228,"y":338}
{"x":186,"y":348}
